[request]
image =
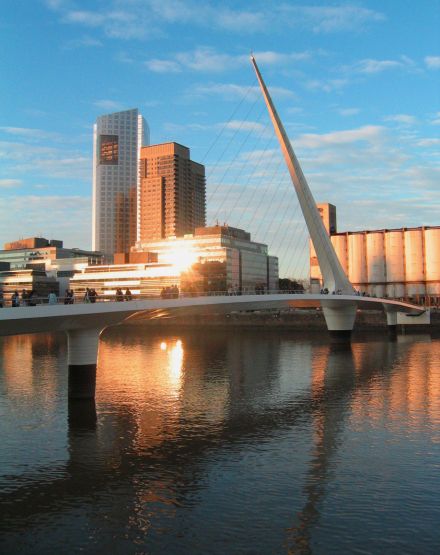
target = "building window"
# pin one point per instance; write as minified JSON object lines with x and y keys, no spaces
{"x":108,"y":149}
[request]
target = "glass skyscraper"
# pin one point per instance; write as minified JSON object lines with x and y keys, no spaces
{"x":117,"y":141}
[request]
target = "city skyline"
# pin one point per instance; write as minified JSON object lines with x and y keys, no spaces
{"x":356,"y":84}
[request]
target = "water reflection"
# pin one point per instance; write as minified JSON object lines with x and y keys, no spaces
{"x":170,"y":410}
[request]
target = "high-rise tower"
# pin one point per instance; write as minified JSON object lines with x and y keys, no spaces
{"x":117,"y":141}
{"x":172,"y":192}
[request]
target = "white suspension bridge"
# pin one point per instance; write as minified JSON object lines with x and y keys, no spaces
{"x":83,"y":323}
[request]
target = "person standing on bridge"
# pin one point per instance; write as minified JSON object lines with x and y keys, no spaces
{"x":119,"y":295}
{"x":24,"y":298}
{"x":128,"y":295}
{"x":1,"y":299}
{"x":52,"y":298}
{"x":15,"y":299}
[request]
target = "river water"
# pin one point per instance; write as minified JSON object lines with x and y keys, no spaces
{"x":222,"y":442}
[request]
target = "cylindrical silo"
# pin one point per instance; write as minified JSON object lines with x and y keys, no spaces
{"x":357,"y":267}
{"x":432,"y":261}
{"x":414,"y":271}
{"x":340,"y":245}
{"x":376,"y":262}
{"x":395,"y":263}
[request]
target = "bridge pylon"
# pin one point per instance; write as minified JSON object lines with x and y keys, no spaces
{"x":333,"y":274}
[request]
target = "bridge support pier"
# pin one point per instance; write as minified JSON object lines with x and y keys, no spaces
{"x":391,"y":322}
{"x":82,"y":346}
{"x":339,"y":318}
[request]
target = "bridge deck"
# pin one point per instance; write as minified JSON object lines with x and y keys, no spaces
{"x":44,"y":318}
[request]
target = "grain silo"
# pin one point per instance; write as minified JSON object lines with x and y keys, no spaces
{"x":375,"y":263}
{"x":395,"y":263}
{"x":432,"y":261}
{"x":414,"y":270}
{"x":357,"y":267}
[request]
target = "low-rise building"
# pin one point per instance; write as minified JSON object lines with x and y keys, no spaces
{"x":48,"y":256}
{"x":30,"y":279}
{"x":213,"y":259}
{"x":247,"y":265}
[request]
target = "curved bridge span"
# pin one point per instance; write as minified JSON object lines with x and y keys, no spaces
{"x":81,"y":316}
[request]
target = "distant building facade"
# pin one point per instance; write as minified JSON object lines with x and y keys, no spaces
{"x":47,"y":257}
{"x":117,"y":141}
{"x":172,"y":192}
{"x":245,"y":264}
{"x":397,"y":263}
{"x":213,"y":259}
{"x":35,"y":280}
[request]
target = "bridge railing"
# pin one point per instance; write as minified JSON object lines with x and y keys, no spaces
{"x":170,"y":294}
{"x":100,"y":298}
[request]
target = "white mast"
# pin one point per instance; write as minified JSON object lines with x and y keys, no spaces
{"x":333,"y":274}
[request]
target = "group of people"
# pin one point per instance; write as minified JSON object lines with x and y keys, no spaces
{"x":121,"y":296}
{"x":69,"y":297}
{"x":170,"y":292}
{"x":325,"y":291}
{"x":90,"y":295}
{"x":27,"y":298}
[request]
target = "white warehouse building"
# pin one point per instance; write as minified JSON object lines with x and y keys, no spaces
{"x":398,"y":263}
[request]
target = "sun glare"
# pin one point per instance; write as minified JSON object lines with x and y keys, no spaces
{"x":182,"y":257}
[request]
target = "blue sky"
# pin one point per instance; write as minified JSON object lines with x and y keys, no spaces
{"x":357,"y":85}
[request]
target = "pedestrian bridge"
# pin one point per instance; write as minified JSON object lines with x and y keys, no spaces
{"x":88,"y":316}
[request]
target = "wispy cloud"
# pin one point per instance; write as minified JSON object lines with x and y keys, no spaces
{"x":143,"y":19}
{"x":109,"y":105}
{"x":435,"y":120}
{"x":346,"y":112}
{"x":30,"y":133}
{"x":330,"y":19}
{"x":163,"y":66}
{"x":367,"y":133}
{"x":403,"y":119}
{"x":65,"y":213}
{"x":428,"y":142}
{"x":21,"y":158}
{"x":432,"y":62}
{"x":207,"y":59}
{"x":370,"y":66}
{"x":10,"y":183}
{"x":230,"y":91}
{"x":327,"y":85}
{"x":83,"y":42}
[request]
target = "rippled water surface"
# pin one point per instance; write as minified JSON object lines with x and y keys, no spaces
{"x":222,"y":443}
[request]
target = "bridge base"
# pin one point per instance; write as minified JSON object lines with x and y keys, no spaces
{"x":339,"y":318}
{"x":391,"y":322}
{"x":82,"y":381}
{"x":82,"y":348}
{"x":340,"y":335}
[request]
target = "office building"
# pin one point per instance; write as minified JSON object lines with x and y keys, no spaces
{"x":172,"y":192}
{"x":38,"y":250}
{"x":46,"y":257}
{"x":117,"y":141}
{"x":399,"y":263}
{"x":213,"y":259}
{"x":223,"y":255}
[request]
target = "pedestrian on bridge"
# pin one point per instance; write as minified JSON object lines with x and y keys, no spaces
{"x":15,"y":299}
{"x":52,"y":298}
